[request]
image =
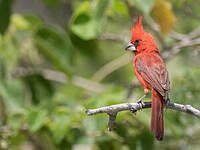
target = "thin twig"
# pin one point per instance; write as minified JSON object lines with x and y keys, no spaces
{"x":113,"y":37}
{"x":3,"y":112}
{"x":178,"y":47}
{"x":111,"y":67}
{"x":60,"y":77}
{"x":114,"y":109}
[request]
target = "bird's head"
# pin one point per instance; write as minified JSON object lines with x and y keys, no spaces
{"x":141,"y":40}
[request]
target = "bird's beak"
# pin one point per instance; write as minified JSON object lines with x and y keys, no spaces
{"x":130,"y":46}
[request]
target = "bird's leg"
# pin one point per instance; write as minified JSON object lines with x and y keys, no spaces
{"x":140,"y":100}
{"x":146,"y":91}
{"x":168,"y":98}
{"x":133,"y":110}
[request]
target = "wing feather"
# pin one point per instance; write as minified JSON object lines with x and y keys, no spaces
{"x":153,"y":70}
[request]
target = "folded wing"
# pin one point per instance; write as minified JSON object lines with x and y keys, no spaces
{"x":153,"y":70}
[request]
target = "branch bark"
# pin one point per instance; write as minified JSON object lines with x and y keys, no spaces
{"x":134,"y":107}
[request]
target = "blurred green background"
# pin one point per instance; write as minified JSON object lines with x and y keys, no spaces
{"x":60,"y":57}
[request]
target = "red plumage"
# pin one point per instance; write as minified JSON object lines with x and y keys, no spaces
{"x":152,"y":73}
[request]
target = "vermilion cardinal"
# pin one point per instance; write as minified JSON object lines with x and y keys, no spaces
{"x":152,"y":73}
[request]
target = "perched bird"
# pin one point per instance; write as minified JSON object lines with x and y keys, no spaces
{"x":152,"y":73}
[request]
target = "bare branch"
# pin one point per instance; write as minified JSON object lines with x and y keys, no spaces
{"x":111,"y":67}
{"x":114,"y":37}
{"x":114,"y":109}
{"x":60,"y":77}
{"x":177,"y":47}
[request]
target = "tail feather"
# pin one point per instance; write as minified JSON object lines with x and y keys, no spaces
{"x":157,"y":126}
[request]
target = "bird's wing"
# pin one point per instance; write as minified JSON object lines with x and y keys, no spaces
{"x":153,"y":70}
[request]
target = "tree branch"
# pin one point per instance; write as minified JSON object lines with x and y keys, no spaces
{"x":59,"y":77}
{"x":134,"y":107}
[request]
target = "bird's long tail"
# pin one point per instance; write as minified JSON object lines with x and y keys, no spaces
{"x":157,"y":126}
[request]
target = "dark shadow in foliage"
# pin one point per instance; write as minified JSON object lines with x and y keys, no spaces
{"x":82,"y":18}
{"x":129,"y":139}
{"x":55,"y":46}
{"x":40,"y":88}
{"x":88,"y":48}
{"x":5,"y":12}
{"x":146,"y":140}
{"x":107,"y":143}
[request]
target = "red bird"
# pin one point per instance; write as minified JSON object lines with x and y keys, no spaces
{"x":152,"y":73}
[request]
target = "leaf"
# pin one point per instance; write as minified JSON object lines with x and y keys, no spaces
{"x":54,"y":44}
{"x":101,"y":7}
{"x":5,"y":12}
{"x":87,"y":48}
{"x":41,"y":89}
{"x":144,"y":5}
{"x":120,"y":7}
{"x":87,"y":24}
{"x":12,"y":93}
{"x":61,"y":124}
{"x":145,"y":135}
{"x":20,"y":22}
{"x":53,"y":3}
{"x":98,"y":123}
{"x":9,"y":51}
{"x":85,"y":27}
{"x":36,"y":119}
{"x":163,"y":15}
{"x":34,"y":21}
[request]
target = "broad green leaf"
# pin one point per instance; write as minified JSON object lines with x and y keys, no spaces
{"x":144,"y":5}
{"x":85,"y":27}
{"x":34,"y":21}
{"x":55,"y":46}
{"x":12,"y":94}
{"x":120,"y":7}
{"x":40,"y":88}
{"x":88,"y":48}
{"x":36,"y":119}
{"x":9,"y":51}
{"x":100,"y":9}
{"x":20,"y":22}
{"x":85,"y":24}
{"x":60,"y":125}
{"x":81,"y":9}
{"x":53,"y":3}
{"x":5,"y":11}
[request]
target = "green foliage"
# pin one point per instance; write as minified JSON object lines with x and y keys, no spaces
{"x":120,"y":7}
{"x":46,"y":72}
{"x":54,"y":44}
{"x":36,"y":119}
{"x":88,"y":18}
{"x":5,"y":12}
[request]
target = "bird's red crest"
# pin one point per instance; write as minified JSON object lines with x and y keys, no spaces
{"x":138,"y":26}
{"x":146,"y":40}
{"x":138,"y":29}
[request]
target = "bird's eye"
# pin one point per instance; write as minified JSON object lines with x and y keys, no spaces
{"x":137,"y":41}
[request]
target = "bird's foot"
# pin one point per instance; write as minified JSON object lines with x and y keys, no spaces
{"x":133,"y":110}
{"x":168,"y":101}
{"x":140,"y":100}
